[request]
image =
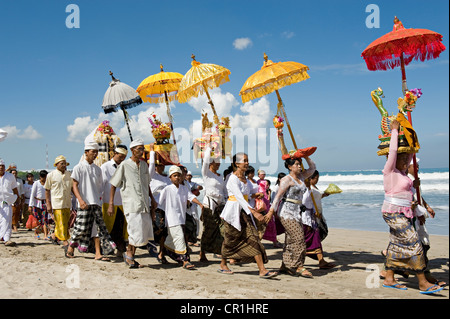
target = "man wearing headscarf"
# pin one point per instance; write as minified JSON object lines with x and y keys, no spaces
{"x":8,"y":196}
{"x":87,"y":183}
{"x":58,"y":197}
{"x":133,"y":179}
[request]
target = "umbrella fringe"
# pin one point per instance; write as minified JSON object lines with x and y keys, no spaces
{"x":122,"y":105}
{"x":159,"y":99}
{"x":389,"y":56}
{"x":269,"y":87}
{"x":194,"y":90}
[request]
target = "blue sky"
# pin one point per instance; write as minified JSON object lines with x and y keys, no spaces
{"x":53,"y":78}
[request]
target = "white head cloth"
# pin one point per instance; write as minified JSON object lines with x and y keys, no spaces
{"x":174,"y":169}
{"x":136,"y":142}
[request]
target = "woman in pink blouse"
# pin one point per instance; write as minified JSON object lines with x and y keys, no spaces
{"x":404,"y":252}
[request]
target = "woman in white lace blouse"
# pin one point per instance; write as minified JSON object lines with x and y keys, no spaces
{"x":290,"y":197}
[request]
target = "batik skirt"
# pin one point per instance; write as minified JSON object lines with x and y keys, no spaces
{"x":294,"y":250}
{"x":404,"y":252}
{"x":245,"y":244}
{"x":212,"y":234}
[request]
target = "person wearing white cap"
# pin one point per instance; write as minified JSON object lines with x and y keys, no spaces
{"x":116,"y":224}
{"x":133,"y":179}
{"x":8,"y":196}
{"x":174,"y":198}
{"x":87,"y":183}
{"x":58,"y":194}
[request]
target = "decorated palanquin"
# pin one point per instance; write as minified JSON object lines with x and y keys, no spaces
{"x":217,"y":137}
{"x":407,"y":137}
{"x":107,"y":141}
{"x":166,"y":152}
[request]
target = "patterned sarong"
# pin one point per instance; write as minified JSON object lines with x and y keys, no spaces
{"x":242,"y":245}
{"x":82,"y":229}
{"x":212,"y":234}
{"x":404,"y":252}
{"x":294,"y":250}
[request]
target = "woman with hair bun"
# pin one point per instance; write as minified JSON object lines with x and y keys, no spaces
{"x":241,"y":240}
{"x":289,"y":200}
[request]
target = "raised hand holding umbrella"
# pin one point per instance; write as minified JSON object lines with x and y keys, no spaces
{"x":398,"y":48}
{"x":200,"y":78}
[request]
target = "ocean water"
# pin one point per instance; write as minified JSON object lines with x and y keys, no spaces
{"x":358,"y":207}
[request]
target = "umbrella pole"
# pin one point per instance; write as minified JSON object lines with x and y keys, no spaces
{"x":404,"y":89}
{"x":216,"y":119}
{"x":126,"y":121}
{"x":171,"y":124}
{"x":280,"y":104}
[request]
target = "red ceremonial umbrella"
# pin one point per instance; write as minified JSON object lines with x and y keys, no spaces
{"x":398,"y":48}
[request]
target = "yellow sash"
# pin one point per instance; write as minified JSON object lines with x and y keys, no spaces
{"x":233,"y":198}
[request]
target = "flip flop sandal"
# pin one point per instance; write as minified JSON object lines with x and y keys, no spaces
{"x":429,"y":292}
{"x":225,"y":271}
{"x":189,"y":266}
{"x":162,"y":260}
{"x":396,"y":286}
{"x":269,"y":274}
{"x":301,"y":273}
{"x":106,"y":259}
{"x":66,"y":253}
{"x":327,"y":266}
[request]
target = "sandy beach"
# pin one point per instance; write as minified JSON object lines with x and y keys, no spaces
{"x":38,"y":269}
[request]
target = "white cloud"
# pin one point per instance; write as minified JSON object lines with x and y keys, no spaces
{"x":139,"y":124}
{"x":29,"y":133}
{"x":242,"y":43}
{"x":256,"y":114}
{"x":287,"y":34}
{"x":223,"y":103}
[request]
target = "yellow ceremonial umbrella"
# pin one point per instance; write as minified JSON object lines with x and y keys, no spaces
{"x":272,"y":77}
{"x":200,"y":78}
{"x":159,"y":88}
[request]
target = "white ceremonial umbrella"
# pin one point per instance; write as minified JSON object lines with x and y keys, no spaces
{"x":120,"y":96}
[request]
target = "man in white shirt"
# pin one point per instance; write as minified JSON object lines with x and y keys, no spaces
{"x":8,"y":196}
{"x":116,"y":224}
{"x":133,"y":179}
{"x":87,"y":183}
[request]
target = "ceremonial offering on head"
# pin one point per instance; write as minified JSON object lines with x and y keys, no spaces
{"x":214,"y":136}
{"x":166,"y":152}
{"x":107,"y":141}
{"x":407,"y":137}
{"x":332,"y":189}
